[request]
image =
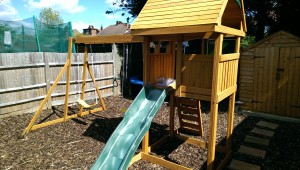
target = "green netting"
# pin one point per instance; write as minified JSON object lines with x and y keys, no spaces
{"x":31,"y":35}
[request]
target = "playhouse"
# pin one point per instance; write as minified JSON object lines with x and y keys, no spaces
{"x":162,"y":27}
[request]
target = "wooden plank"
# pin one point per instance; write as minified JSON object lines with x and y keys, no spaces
{"x":124,"y":38}
{"x":222,"y":95}
{"x":197,"y":57}
{"x":193,"y":141}
{"x":178,"y":69}
{"x":189,"y":117}
{"x":196,"y":96}
{"x":145,"y":143}
{"x":135,"y":158}
{"x":173,"y":30}
{"x":228,"y":57}
{"x":228,"y":30}
{"x":195,"y":90}
{"x":146,"y":60}
{"x":214,"y":104}
{"x":190,"y":125}
{"x":163,"y":162}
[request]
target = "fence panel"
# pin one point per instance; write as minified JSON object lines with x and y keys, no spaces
{"x":25,"y":79}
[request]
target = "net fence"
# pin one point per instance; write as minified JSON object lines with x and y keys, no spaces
{"x":32,"y":35}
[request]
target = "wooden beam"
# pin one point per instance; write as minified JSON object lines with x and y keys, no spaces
{"x":122,"y":38}
{"x":163,"y":162}
{"x":96,"y":87}
{"x":146,"y":59}
{"x":203,"y":91}
{"x":207,"y":35}
{"x":193,"y":141}
{"x":232,"y":102}
{"x":135,"y":158}
{"x":228,"y":30}
{"x":214,"y":104}
{"x":172,"y":114}
{"x":85,"y":65}
{"x":229,"y":57}
{"x":59,"y":120}
{"x":222,"y":95}
{"x":179,"y":55}
{"x":68,"y":79}
{"x":174,"y":30}
{"x":145,"y":143}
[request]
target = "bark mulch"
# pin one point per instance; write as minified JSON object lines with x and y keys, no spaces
{"x":76,"y":144}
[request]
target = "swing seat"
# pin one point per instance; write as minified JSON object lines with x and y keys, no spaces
{"x":85,"y":104}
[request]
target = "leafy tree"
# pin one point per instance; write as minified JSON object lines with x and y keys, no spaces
{"x":133,"y":7}
{"x":50,"y":17}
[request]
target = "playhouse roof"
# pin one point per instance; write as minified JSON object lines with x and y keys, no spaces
{"x":158,"y":14}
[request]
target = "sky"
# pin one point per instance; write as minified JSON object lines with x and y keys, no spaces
{"x":81,"y":13}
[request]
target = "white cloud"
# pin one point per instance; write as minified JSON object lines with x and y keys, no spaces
{"x":7,"y":11}
{"x":68,"y":6}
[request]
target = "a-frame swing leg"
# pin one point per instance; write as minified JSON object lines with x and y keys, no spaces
{"x":96,"y":86}
{"x":86,"y":67}
{"x":67,"y":67}
{"x":38,"y":112}
{"x":83,"y":79}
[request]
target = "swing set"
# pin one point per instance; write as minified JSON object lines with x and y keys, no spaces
{"x":84,"y":108}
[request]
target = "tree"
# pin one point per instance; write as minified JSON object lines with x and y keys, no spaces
{"x":133,"y":7}
{"x":50,"y":17}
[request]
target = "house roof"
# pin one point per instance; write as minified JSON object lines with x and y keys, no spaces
{"x":280,"y":34}
{"x":174,"y":13}
{"x":116,"y":29}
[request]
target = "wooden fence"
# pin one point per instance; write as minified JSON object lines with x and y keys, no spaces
{"x":25,"y":79}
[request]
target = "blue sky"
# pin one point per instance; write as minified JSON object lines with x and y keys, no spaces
{"x":80,"y":12}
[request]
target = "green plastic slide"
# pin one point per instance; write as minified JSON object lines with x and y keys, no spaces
{"x":124,"y":141}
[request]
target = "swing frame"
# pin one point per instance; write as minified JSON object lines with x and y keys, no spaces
{"x":67,"y":68}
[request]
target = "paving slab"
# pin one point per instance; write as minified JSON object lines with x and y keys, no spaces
{"x":267,"y":125}
{"x":263,"y":132}
{"x":257,"y":140}
{"x":240,"y":165}
{"x":252,"y":151}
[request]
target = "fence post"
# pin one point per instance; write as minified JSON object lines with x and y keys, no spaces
{"x":47,"y":80}
{"x":23,"y":37}
{"x":36,"y":35}
{"x":71,"y":35}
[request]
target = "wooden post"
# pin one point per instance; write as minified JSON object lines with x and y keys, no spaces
{"x":232,"y":101}
{"x":172,"y":114}
{"x":145,"y":143}
{"x":178,"y":64}
{"x":68,"y":80}
{"x":83,"y":79}
{"x":214,"y":104}
{"x":47,"y":81}
{"x":146,"y":52}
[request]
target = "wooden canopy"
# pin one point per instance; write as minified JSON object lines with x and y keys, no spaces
{"x":181,"y":16}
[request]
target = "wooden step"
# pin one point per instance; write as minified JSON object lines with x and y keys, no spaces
{"x":267,"y":125}
{"x":257,"y":140}
{"x":239,"y":165}
{"x":252,"y":151}
{"x":263,"y":132}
